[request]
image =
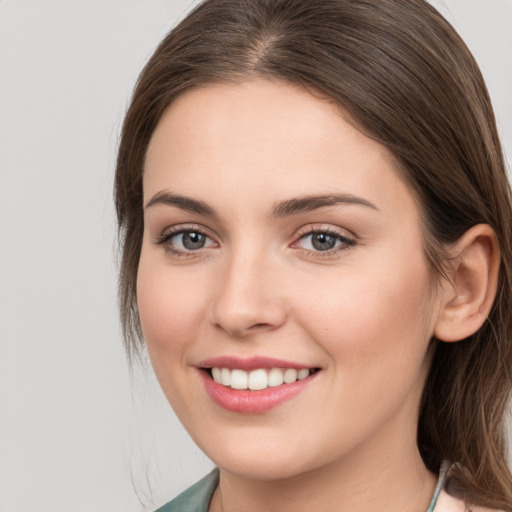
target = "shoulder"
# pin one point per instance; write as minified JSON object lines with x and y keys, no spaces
{"x":196,"y":498}
{"x":446,"y":502}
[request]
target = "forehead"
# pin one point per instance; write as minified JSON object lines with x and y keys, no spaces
{"x":271,"y":138}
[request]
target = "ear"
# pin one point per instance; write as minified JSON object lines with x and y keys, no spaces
{"x":467,"y":299}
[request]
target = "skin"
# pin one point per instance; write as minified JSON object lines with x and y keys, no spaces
{"x":364,"y":313}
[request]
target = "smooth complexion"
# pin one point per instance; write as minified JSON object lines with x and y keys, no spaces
{"x":230,"y":268}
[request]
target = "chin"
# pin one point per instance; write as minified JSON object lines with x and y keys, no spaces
{"x":261,"y":457}
{"x":254,"y":467}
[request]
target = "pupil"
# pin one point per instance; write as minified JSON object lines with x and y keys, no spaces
{"x":323,"y":241}
{"x":193,"y":240}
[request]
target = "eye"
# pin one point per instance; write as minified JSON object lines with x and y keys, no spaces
{"x":182,"y":241}
{"x":189,"y":240}
{"x":324,"y":241}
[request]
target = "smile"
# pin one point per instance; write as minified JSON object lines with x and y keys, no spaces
{"x":258,"y":379}
{"x":254,"y":385}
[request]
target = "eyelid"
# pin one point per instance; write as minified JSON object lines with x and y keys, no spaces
{"x":180,"y":228}
{"x":172,"y":231}
{"x":348,"y":240}
{"x":325,"y":228}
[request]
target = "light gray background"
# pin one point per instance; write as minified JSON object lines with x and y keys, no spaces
{"x":75,"y":433}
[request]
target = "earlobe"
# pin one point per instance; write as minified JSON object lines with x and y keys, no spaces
{"x":468,"y":297}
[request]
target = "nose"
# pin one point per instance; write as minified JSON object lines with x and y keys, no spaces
{"x":248,"y":299}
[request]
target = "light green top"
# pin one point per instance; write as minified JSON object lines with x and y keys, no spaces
{"x":195,"y":498}
{"x":198,"y":497}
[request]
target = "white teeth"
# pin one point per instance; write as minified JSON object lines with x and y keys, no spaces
{"x":290,"y":376}
{"x":239,"y":379}
{"x":302,"y":374}
{"x":216,"y":374}
{"x":275,"y":377}
{"x":258,"y":379}
{"x":225,"y":376}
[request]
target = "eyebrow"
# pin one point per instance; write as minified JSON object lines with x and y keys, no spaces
{"x":285,"y":208}
{"x":183,"y":202}
{"x":306,"y":204}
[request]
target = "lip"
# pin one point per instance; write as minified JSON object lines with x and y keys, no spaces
{"x":246,"y":401}
{"x":249,"y":364}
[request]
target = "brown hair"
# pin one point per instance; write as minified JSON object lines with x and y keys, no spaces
{"x":407,"y":80}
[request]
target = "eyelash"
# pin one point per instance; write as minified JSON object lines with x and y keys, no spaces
{"x":165,"y":240}
{"x":346,"y":243}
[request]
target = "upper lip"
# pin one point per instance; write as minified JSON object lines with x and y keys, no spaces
{"x":251,"y":363}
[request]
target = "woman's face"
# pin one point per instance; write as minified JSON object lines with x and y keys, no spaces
{"x":279,"y":243}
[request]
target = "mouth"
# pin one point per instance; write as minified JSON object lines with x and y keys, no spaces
{"x":259,"y":379}
{"x":254,"y":385}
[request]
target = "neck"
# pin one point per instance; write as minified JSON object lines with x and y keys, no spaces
{"x":389,"y":479}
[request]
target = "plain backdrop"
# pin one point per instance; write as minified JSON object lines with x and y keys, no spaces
{"x":76,"y":432}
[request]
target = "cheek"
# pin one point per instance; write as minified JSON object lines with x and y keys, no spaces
{"x":373,"y":323}
{"x":170,"y":306}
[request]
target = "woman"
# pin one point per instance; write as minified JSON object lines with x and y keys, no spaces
{"x":315,"y":222}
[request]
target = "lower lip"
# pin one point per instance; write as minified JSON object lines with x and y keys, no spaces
{"x":246,"y":401}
